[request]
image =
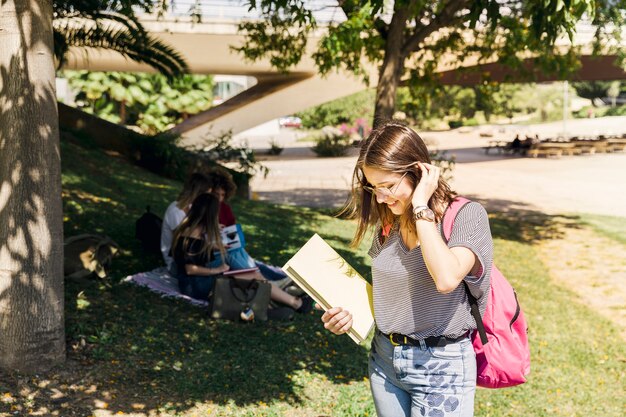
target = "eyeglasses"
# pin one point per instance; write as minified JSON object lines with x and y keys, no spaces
{"x":384,"y":191}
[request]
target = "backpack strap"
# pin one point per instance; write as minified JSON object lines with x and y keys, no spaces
{"x":480,"y":326}
{"x":450,"y":215}
{"x":446,"y":229}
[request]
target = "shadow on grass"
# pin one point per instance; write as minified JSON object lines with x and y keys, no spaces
{"x":141,"y":353}
{"x":165,"y":353}
{"x":516,"y":221}
{"x":133,"y":350}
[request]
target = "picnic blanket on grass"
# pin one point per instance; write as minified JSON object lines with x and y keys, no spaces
{"x":160,"y":281}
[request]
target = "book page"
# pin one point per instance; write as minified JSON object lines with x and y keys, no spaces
{"x":320,"y":271}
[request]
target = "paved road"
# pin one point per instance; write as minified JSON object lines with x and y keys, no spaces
{"x":585,"y":184}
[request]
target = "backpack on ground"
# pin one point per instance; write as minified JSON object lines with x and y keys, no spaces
{"x":148,"y":231}
{"x":501,"y":339}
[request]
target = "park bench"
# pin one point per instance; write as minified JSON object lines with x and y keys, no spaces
{"x":545,"y":151}
{"x":602,"y":146}
{"x":556,"y":149}
{"x":617,"y":144}
{"x":585,"y":147}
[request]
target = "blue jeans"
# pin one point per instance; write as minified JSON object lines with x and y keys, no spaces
{"x":198,"y":286}
{"x":270,"y":272}
{"x":415,"y":381}
{"x":239,"y":259}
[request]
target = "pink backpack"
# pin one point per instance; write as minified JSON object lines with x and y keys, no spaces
{"x":501,"y":340}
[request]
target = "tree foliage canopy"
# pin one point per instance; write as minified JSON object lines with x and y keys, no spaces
{"x":410,"y":40}
{"x":113,"y":25}
{"x":149,"y":101}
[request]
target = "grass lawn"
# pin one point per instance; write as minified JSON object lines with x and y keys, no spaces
{"x":610,"y":226}
{"x":132,"y":352}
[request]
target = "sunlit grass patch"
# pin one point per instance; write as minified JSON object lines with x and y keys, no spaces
{"x":613,"y":227}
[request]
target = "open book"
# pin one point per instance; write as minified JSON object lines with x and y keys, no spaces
{"x":332,"y":282}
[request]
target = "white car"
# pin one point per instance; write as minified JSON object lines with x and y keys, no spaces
{"x":290,"y":121}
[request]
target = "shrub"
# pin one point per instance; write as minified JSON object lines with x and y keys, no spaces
{"x":150,"y":103}
{"x":332,"y":142}
{"x":344,"y":110}
{"x":356,"y":132}
{"x":616,"y":111}
{"x":218,"y":148}
{"x":163,"y":155}
{"x":275,"y":148}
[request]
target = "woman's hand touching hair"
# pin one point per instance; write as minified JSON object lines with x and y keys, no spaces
{"x":427,"y":185}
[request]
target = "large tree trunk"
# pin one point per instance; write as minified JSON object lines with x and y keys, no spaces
{"x":32,"y":334}
{"x":391,"y":70}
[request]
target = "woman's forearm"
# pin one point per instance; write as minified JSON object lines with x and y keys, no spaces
{"x":447,"y":266}
{"x":192,"y":269}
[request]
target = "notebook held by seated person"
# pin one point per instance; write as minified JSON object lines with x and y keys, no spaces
{"x":320,"y":271}
{"x":232,"y":237}
{"x":232,"y":272}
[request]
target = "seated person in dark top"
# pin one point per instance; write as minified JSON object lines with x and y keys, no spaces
{"x":516,"y":145}
{"x":527,"y":143}
{"x":194,"y":243}
{"x":197,"y":243}
{"x":224,"y":188}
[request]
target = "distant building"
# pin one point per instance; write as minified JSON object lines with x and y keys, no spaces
{"x":227,"y":86}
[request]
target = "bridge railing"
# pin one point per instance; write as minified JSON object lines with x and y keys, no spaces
{"x":325,"y":11}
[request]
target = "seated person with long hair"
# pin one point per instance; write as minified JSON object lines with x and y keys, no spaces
{"x":224,"y":188}
{"x":195,"y":185}
{"x":199,"y":254}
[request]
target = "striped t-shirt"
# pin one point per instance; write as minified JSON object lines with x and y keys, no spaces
{"x":406,"y":300}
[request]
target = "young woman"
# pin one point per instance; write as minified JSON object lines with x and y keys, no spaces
{"x":198,"y":254}
{"x":194,"y":246}
{"x":224,"y":188}
{"x":195,"y":185}
{"x":422,"y":362}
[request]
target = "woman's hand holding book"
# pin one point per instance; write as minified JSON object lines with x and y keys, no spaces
{"x":337,"y":320}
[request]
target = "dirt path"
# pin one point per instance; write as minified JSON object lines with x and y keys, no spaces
{"x":593,"y":266}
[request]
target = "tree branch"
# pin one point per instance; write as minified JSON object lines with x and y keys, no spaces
{"x":347,"y":7}
{"x":445,"y":18}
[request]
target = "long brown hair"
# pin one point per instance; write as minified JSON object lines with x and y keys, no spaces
{"x":195,"y":185}
{"x":391,"y":147}
{"x":202,"y":216}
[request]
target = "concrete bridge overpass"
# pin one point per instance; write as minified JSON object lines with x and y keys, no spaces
{"x":205,"y":44}
{"x":206,"y":47}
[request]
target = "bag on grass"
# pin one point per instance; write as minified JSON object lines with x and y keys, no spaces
{"x":148,"y":231}
{"x":234,"y":298}
{"x":501,"y":339}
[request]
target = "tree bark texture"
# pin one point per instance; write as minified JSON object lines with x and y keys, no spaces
{"x":392,"y":68}
{"x":32,"y":336}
